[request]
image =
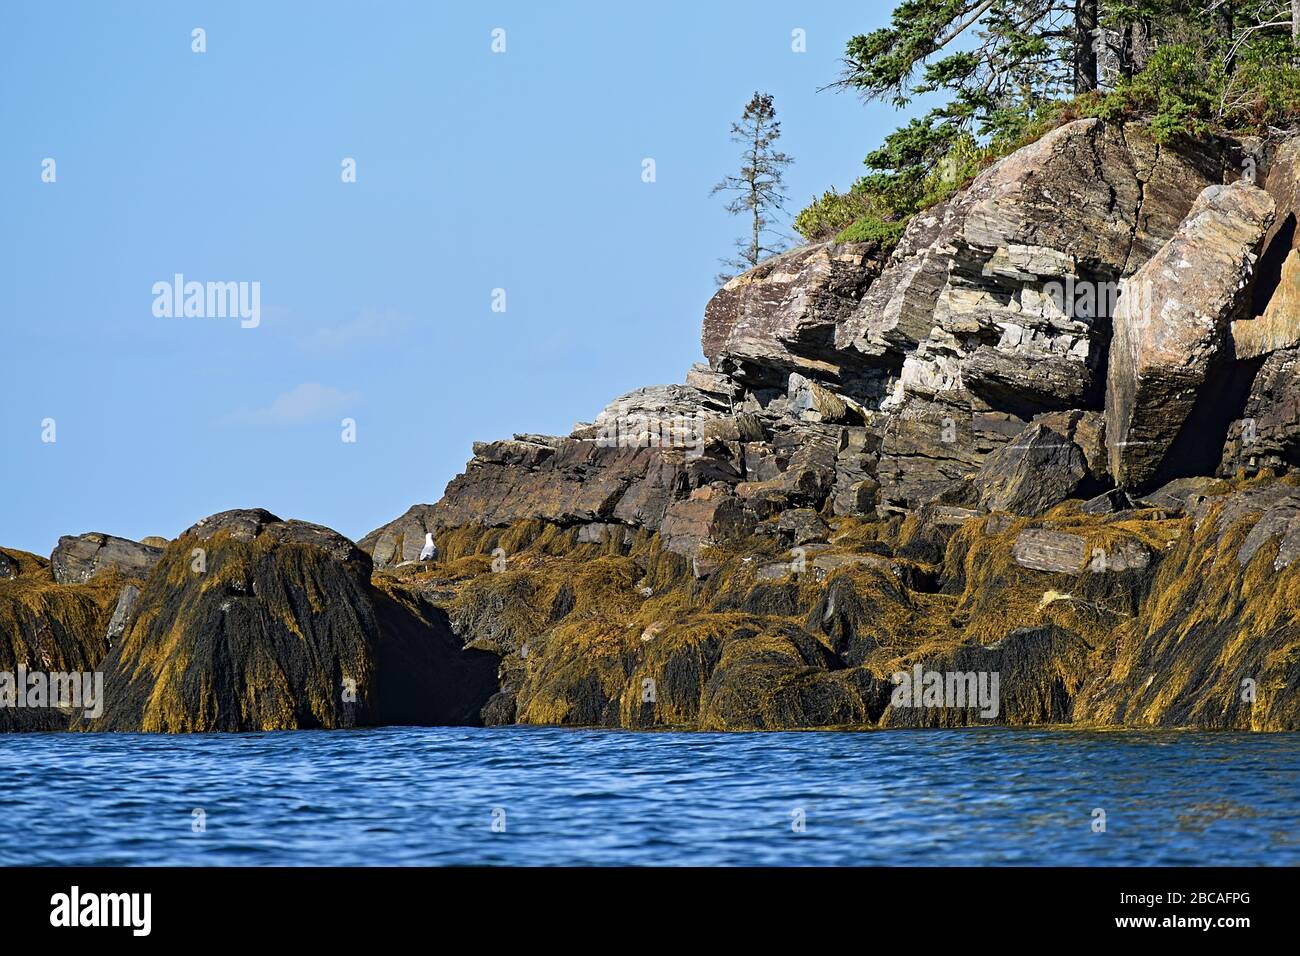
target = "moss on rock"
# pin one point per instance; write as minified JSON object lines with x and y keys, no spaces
{"x":50,"y":627}
{"x":253,"y":623}
{"x":1157,"y":624}
{"x":1175,"y":613}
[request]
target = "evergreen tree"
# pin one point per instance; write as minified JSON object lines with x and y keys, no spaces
{"x":1006,"y":64}
{"x":1000,"y":62}
{"x":758,"y":188}
{"x":1009,"y":70}
{"x":1087,"y":45}
{"x":992,"y":56}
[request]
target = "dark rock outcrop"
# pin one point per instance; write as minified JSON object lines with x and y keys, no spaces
{"x":1267,"y":436}
{"x":254,"y":623}
{"x":1060,"y":456}
{"x":79,"y":559}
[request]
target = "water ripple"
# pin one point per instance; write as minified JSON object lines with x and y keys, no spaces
{"x":542,"y":796}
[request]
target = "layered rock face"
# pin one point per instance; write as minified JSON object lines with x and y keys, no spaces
{"x":998,"y":304}
{"x":958,"y":458}
{"x":1172,"y":336}
{"x":1033,"y":467}
{"x":840,"y":381}
{"x":79,"y":559}
{"x":783,"y":315}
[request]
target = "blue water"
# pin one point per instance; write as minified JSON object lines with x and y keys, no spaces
{"x":431,"y":796}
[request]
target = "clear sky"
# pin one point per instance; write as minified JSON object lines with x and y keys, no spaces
{"x":475,"y":171}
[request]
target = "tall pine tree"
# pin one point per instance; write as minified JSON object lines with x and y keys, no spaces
{"x":758,"y":189}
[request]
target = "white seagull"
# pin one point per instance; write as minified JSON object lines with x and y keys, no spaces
{"x":430,"y":550}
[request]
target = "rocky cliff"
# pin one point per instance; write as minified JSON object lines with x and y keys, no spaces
{"x":1034,"y":440}
{"x":1049,"y":440}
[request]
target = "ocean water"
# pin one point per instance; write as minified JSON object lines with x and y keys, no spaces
{"x":542,"y":796}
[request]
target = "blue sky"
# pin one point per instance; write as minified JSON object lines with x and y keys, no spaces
{"x":475,"y":171}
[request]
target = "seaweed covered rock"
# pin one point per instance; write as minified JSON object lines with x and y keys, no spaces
{"x":771,"y":678}
{"x":1031,"y":677}
{"x":1221,"y":646}
{"x":14,"y":563}
{"x":254,"y":623}
{"x":542,"y":623}
{"x":622,"y":633}
{"x":51,"y":635}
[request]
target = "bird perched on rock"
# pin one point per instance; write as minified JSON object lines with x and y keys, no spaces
{"x":430,"y":550}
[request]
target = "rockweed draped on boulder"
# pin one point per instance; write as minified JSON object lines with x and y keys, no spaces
{"x":253,"y":623}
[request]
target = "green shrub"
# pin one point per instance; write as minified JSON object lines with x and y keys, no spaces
{"x":915,"y":171}
{"x":1179,"y":92}
{"x":870,"y":229}
{"x":1184,"y":92}
{"x":831,"y":213}
{"x":1261,"y":95}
